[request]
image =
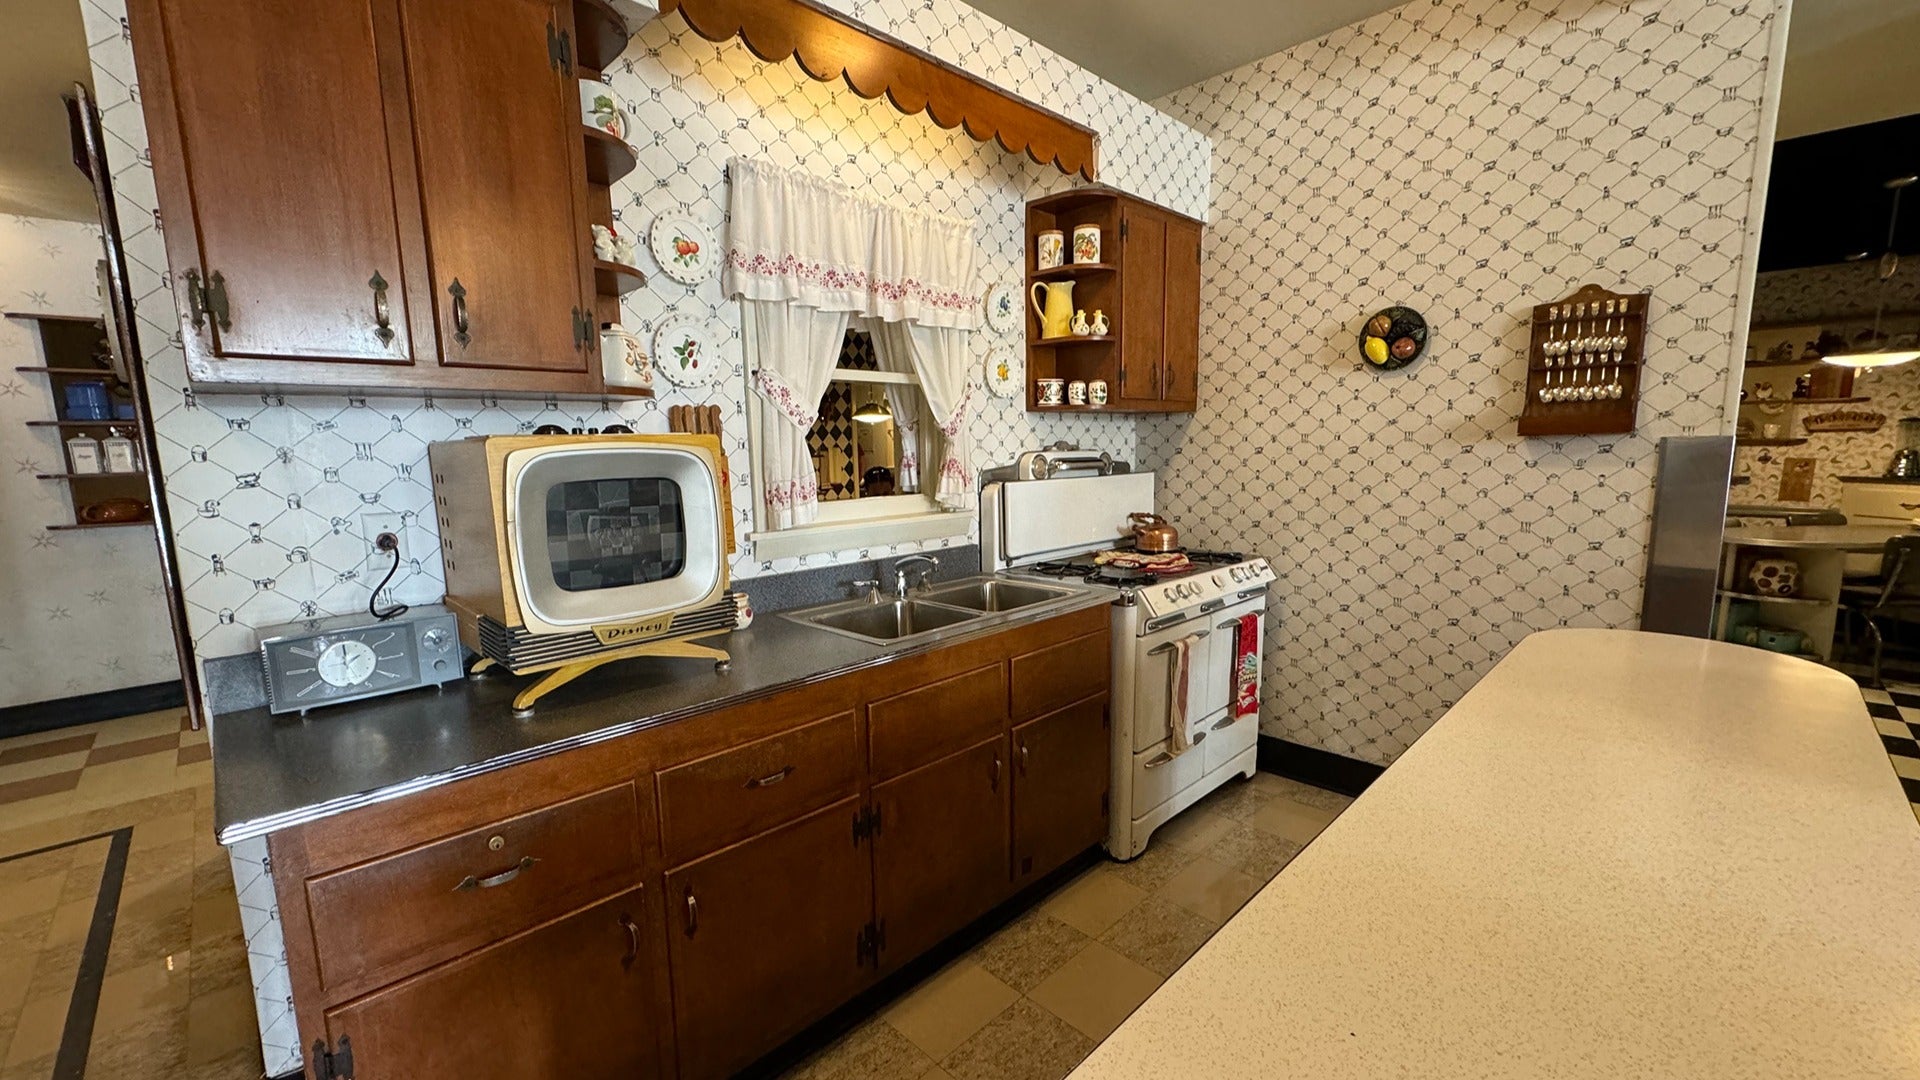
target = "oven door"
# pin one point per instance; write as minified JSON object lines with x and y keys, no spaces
{"x":1209,"y":676}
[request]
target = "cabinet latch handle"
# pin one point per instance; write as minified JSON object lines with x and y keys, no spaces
{"x":633,"y":941}
{"x":460,"y":322}
{"x":491,"y":881}
{"x":996,"y":772}
{"x":1023,"y":759}
{"x":693,"y":912}
{"x":382,"y":317}
{"x":771,"y":778}
{"x":217,"y":300}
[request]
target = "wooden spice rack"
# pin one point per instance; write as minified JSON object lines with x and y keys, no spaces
{"x":70,"y":346}
{"x":1584,"y":364}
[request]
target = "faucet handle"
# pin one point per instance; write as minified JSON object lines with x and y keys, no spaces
{"x":872,"y":585}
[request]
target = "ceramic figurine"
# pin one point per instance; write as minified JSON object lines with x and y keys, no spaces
{"x":1080,"y":327}
{"x":1100,"y":324}
{"x":610,"y":246}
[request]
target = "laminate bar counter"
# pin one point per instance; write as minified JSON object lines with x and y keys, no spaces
{"x":270,"y":771}
{"x":1620,"y":855}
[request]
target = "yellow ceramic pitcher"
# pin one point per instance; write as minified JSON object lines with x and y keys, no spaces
{"x":1056,"y":311}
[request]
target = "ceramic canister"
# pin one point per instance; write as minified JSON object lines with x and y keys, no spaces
{"x":601,"y":108}
{"x":1086,"y":243}
{"x":1051,"y":391}
{"x":623,"y":359}
{"x":1052,"y":249}
{"x":1097,"y":392}
{"x":1076,"y":393}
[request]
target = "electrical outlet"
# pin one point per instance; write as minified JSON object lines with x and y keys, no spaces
{"x":371,"y":526}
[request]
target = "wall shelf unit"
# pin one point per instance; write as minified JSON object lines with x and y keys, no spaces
{"x":600,"y":34}
{"x":75,"y":349}
{"x":616,"y":279}
{"x":1743,"y":441}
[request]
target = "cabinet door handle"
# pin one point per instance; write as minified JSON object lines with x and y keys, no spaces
{"x":196,"y":301}
{"x":996,"y":772}
{"x":693,"y":912}
{"x":493,"y":881}
{"x":1225,"y":721}
{"x":771,"y":778}
{"x":633,"y":941}
{"x":1910,"y":506}
{"x":460,"y":322}
{"x":1023,"y":759}
{"x":382,"y":317}
{"x":1158,"y":761}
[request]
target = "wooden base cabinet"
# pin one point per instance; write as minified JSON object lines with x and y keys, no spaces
{"x":767,"y":936}
{"x":940,"y":855}
{"x":572,"y":998}
{"x":683,"y":900}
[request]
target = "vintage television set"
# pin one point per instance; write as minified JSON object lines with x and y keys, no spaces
{"x":565,"y":552}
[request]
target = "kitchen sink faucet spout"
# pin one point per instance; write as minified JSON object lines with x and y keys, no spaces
{"x":901,"y":568}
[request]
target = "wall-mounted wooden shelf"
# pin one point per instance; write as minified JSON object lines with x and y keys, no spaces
{"x":1760,"y":598}
{"x":81,"y":423}
{"x":1743,"y":441}
{"x":136,"y":474}
{"x":1751,"y":364}
{"x":1071,"y":270}
{"x":616,"y":279}
{"x":1077,"y":339}
{"x":100,"y":525}
{"x":608,"y":157}
{"x":39,"y":316}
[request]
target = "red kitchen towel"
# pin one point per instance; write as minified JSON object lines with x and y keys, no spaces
{"x":1246,"y":666}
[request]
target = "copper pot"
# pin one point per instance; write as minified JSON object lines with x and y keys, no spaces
{"x":1151,"y":533}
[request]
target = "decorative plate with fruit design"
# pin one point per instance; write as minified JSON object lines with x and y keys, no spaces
{"x":684,"y":248}
{"x":1003,"y":372}
{"x":1003,"y":308}
{"x":687,"y":351}
{"x":1393,"y":338}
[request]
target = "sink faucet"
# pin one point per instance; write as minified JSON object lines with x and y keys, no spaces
{"x":926,"y":565}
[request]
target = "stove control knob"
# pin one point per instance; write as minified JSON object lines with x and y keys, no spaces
{"x":1219,"y":581}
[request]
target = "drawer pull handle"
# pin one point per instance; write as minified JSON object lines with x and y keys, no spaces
{"x":633,"y":942}
{"x":1023,"y":759}
{"x":382,"y":315}
{"x":1225,"y":721}
{"x":693,"y":912}
{"x":1910,"y":506}
{"x":770,"y":779}
{"x":1168,"y":647}
{"x":493,"y":881}
{"x":1158,"y":761}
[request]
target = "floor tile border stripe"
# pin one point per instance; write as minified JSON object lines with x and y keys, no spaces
{"x":76,"y":1039}
{"x":4,"y":859}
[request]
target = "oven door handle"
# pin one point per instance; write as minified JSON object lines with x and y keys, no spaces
{"x":1168,"y":646}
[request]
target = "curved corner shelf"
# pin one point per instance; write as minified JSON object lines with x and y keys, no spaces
{"x":1768,"y":442}
{"x":1801,"y":601}
{"x":616,"y":279}
{"x":608,"y":157}
{"x":601,"y":34}
{"x":100,"y":525}
{"x":1071,"y":270}
{"x":1076,"y":339}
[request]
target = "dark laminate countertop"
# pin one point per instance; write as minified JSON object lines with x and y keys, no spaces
{"x":270,"y":772}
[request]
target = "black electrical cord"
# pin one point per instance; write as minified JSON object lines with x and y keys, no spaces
{"x":389,"y":543}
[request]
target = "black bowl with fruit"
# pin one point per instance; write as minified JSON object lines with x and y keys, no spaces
{"x":1393,"y":338}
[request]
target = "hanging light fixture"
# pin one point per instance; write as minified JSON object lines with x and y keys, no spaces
{"x":1873,"y":349}
{"x":873,"y":412}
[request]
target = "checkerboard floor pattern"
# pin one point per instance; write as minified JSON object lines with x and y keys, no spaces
{"x":1896,"y":712}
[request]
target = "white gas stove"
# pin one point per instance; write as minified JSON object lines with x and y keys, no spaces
{"x":1052,"y":515}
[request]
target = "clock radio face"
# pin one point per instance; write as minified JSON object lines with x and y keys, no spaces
{"x":352,"y":662}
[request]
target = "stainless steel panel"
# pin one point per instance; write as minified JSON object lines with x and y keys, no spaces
{"x":1683,"y":554}
{"x":1039,"y":517}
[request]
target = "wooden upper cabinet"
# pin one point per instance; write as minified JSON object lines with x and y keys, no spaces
{"x":274,"y":170}
{"x":1148,"y":284}
{"x":373,"y":193}
{"x":496,"y":124}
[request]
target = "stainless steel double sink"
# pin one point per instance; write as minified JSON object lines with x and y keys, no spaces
{"x":951,"y":607}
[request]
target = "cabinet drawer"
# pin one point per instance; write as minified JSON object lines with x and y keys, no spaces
{"x":1045,"y":679}
{"x":710,"y":803}
{"x":909,"y":730}
{"x":1893,"y":504}
{"x":1158,"y":777}
{"x":395,"y":915}
{"x":1228,"y":737}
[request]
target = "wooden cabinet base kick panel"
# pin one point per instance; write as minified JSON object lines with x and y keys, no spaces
{"x":681,"y":901}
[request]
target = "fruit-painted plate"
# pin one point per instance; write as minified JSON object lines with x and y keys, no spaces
{"x":1392,"y":338}
{"x":1003,"y":372}
{"x":684,"y":248}
{"x":686,"y":351}
{"x":1003,"y":308}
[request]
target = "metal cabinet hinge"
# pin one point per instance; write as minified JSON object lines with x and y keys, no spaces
{"x":582,"y":329}
{"x":559,"y":49}
{"x":207,"y":298}
{"x":333,"y":1064}
{"x":866,"y":824}
{"x":869,"y":942}
{"x":1123,"y":228}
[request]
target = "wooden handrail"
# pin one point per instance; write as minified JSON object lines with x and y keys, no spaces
{"x":828,"y":45}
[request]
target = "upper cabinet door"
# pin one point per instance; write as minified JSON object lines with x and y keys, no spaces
{"x":496,"y":123}
{"x":1143,"y":242}
{"x":275,"y":174}
{"x":1181,"y":386}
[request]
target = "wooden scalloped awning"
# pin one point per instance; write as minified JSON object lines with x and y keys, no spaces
{"x":828,"y":45}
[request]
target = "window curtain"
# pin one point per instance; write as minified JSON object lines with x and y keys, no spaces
{"x":803,"y":256}
{"x":910,"y":433}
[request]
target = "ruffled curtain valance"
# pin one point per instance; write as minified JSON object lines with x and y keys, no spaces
{"x":812,"y":242}
{"x":805,"y":256}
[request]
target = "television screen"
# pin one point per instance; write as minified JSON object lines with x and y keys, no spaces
{"x":611,"y":533}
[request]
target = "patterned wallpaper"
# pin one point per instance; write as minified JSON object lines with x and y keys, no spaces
{"x":1836,"y":291}
{"x":271,"y":493}
{"x":1470,"y":158}
{"x":85,"y":610}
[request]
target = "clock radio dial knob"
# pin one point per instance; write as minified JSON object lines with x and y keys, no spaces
{"x":436,"y":640}
{"x":346,"y":663}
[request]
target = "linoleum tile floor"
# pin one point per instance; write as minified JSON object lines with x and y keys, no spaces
{"x":109,"y":827}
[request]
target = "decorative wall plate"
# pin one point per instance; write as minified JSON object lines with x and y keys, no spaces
{"x":1003,"y":372}
{"x":1393,"y":338}
{"x":684,"y":248}
{"x":1003,"y":308}
{"x":686,"y":351}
